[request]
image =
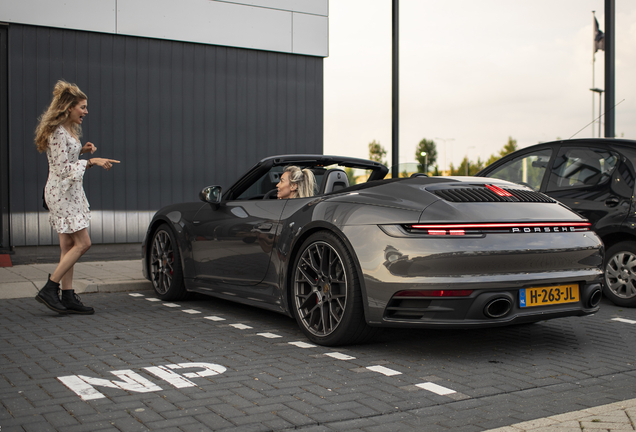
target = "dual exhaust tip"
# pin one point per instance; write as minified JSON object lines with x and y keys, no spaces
{"x":501,"y":306}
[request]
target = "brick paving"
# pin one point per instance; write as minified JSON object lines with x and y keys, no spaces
{"x":485,"y":379}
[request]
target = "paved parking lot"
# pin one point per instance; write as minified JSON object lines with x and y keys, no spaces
{"x":139,"y":364}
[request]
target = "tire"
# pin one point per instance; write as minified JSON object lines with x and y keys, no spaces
{"x":326,"y":296}
{"x":165,"y":265}
{"x":620,"y":274}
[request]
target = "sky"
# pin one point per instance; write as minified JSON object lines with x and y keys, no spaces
{"x":472,"y":74}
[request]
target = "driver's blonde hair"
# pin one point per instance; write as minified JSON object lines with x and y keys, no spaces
{"x":303,"y":179}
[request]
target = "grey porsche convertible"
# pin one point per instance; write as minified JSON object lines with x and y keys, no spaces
{"x":366,"y":252}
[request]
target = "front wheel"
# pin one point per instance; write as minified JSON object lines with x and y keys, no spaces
{"x":326,"y":295}
{"x":620,"y":274}
{"x":165,"y":265}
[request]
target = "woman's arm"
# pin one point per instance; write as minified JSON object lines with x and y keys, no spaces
{"x":60,"y":163}
{"x":107,"y":164}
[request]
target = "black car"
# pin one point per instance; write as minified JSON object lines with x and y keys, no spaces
{"x":432,"y":252}
{"x":595,"y":178}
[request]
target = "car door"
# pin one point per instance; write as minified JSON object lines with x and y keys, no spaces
{"x":590,"y":181}
{"x":232,"y":241}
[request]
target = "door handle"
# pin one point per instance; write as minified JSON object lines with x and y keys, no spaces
{"x":612,"y":202}
{"x":264,"y":226}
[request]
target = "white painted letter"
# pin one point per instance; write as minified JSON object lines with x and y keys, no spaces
{"x":83,"y":385}
{"x":171,"y":377}
{"x":209,"y":369}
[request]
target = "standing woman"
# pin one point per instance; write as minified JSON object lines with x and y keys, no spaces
{"x":58,"y":133}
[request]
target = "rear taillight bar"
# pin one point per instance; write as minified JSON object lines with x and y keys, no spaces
{"x":475,"y":228}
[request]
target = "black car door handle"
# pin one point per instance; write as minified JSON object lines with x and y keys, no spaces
{"x":264,"y":227}
{"x":612,"y":202}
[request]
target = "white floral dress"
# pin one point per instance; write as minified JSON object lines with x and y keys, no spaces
{"x":69,"y":211}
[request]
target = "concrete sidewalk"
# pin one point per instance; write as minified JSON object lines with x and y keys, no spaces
{"x":21,"y":281}
{"x":619,"y":416}
{"x":90,"y":277}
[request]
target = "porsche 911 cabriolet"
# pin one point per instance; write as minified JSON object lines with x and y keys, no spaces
{"x":366,"y":252}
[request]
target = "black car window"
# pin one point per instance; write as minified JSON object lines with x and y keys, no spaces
{"x":528,"y":169}
{"x":581,"y":167}
{"x":266,"y":183}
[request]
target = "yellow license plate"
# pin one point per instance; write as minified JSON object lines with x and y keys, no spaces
{"x":549,"y":295}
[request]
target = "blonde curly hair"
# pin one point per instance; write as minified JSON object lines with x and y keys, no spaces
{"x":65,"y":97}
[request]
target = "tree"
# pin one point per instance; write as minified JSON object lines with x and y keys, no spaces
{"x":429,"y":147}
{"x":467,"y":167}
{"x":510,"y":147}
{"x":377,"y":152}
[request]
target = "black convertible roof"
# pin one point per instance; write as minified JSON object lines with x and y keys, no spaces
{"x":326,"y":160}
{"x":378,"y":170}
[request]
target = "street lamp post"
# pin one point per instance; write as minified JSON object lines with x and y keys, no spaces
{"x":600,"y":105}
{"x":471,"y":147}
{"x":425,"y":162}
{"x":444,"y":139}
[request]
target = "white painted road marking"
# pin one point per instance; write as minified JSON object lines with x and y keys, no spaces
{"x":171,"y":377}
{"x":191,"y":311}
{"x":171,"y":305}
{"x":302,"y":344}
{"x":153,"y":299}
{"x":340,"y":356}
{"x":83,"y":385}
{"x":383,"y":370}
{"x":209,"y":369}
{"x":624,"y":320}
{"x":214,"y":318}
{"x":268,"y":335}
{"x":240,"y":326}
{"x":136,"y":295}
{"x":437,"y":389}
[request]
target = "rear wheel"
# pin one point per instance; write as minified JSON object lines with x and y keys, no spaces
{"x":326,"y":296}
{"x":620,"y":274}
{"x":165,"y":265}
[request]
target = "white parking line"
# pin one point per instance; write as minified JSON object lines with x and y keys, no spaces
{"x":383,"y":370}
{"x":240,"y":326}
{"x":340,"y":356}
{"x":136,"y":295}
{"x":302,"y":344}
{"x":268,"y":335}
{"x":153,"y":299}
{"x":624,"y":320}
{"x":214,"y":318}
{"x":171,"y":305}
{"x":191,"y":311}
{"x":437,"y":389}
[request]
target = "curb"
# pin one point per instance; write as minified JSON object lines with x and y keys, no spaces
{"x":28,"y":289}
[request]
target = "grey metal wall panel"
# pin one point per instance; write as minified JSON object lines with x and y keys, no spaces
{"x":179,"y":116}
{"x":4,"y":141}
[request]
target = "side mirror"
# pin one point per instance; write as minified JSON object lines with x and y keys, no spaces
{"x":211,"y":194}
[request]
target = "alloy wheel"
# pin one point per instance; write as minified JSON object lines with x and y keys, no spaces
{"x":162,"y":262}
{"x":620,"y":275}
{"x":320,"y":289}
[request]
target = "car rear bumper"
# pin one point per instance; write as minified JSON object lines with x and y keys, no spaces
{"x":493,"y":267}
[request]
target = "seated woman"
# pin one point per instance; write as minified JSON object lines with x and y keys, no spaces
{"x":296,"y":183}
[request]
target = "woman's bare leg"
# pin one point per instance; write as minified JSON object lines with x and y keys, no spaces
{"x":66,"y":244}
{"x":81,"y":242}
